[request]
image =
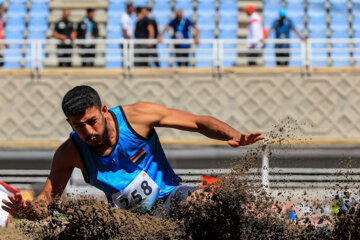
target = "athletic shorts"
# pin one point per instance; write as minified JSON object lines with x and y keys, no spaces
{"x":163,"y":207}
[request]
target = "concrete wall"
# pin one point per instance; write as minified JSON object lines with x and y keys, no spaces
{"x":325,"y":104}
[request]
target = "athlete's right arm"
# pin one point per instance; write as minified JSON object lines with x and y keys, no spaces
{"x":65,"y":159}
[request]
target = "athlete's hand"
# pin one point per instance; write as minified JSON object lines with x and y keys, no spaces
{"x":243,"y":139}
{"x":19,"y":208}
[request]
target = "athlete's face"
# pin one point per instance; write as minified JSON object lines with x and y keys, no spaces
{"x":91,"y":126}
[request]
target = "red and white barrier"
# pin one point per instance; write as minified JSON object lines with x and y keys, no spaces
{"x":5,"y":190}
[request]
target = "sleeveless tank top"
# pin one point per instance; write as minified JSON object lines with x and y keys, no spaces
{"x":131,"y":155}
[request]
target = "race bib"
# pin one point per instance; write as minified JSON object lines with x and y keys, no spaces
{"x":142,"y":192}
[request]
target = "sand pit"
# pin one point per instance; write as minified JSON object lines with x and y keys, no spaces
{"x":239,"y":209}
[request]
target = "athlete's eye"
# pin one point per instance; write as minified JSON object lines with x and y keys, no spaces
{"x":92,"y":122}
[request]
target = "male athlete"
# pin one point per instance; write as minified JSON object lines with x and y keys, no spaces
{"x":119,"y":152}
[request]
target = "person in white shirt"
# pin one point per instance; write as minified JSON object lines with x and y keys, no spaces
{"x":254,"y":35}
{"x":127,"y":22}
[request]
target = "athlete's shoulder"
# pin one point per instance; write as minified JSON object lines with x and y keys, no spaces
{"x":143,"y":107}
{"x":67,"y":150}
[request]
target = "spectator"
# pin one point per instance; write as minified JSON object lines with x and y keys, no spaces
{"x":64,"y":31}
{"x":88,"y":29}
{"x":254,"y":35}
{"x":143,"y":30}
{"x":153,"y":22}
{"x":181,"y":27}
{"x":282,"y":27}
{"x":127,"y":23}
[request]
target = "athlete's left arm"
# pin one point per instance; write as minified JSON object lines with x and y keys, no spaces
{"x":160,"y":116}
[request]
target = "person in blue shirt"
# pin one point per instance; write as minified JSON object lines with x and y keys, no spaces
{"x":181,"y":30}
{"x":119,"y":152}
{"x":282,"y":27}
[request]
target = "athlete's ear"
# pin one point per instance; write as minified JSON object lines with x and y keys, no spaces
{"x":104,"y":110}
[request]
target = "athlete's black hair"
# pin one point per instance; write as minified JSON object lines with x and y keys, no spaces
{"x":89,"y":10}
{"x":78,"y":99}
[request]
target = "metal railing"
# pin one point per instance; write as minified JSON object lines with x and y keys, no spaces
{"x":210,"y":53}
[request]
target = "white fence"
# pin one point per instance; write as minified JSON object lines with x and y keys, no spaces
{"x":209,"y":53}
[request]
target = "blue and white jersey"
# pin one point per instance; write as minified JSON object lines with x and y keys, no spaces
{"x":132,"y":156}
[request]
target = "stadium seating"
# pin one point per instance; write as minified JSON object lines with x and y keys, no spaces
{"x":206,"y":24}
{"x":206,"y":5}
{"x":204,"y":55}
{"x":113,"y":56}
{"x":272,"y":5}
{"x":142,"y":3}
{"x":319,"y":54}
{"x":185,"y":5}
{"x":356,"y":35}
{"x":294,"y":6}
{"x":229,"y":55}
{"x":32,"y":19}
{"x":228,"y":5}
{"x":316,"y":5}
{"x":164,"y":55}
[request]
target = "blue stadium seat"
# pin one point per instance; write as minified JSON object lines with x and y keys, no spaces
{"x":12,"y":59}
{"x":142,"y":3}
{"x":162,"y":17}
{"x":18,"y":1}
{"x":204,"y":55}
{"x":340,"y":51}
{"x":270,"y":17}
{"x":113,"y":60}
{"x":356,"y":5}
{"x":114,"y":32}
{"x":228,"y":18}
{"x":29,"y":62}
{"x":206,"y":18}
{"x":316,"y":5}
{"x":294,"y":6}
{"x":273,"y":5}
{"x":114,"y":21}
{"x":37,"y":34}
{"x":228,"y":33}
{"x":228,"y":5}
{"x":206,"y":33}
{"x":39,"y":6}
{"x":356,"y":17}
{"x":295,"y":55}
{"x":319,"y":54}
{"x":185,"y":5}
{"x":164,"y":55}
{"x":117,"y":6}
{"x":317,"y":20}
{"x":38,"y":21}
{"x":269,"y":53}
{"x":40,"y":1}
{"x":206,"y":6}
{"x":16,"y":7}
{"x":113,"y":56}
{"x":15,"y":25}
{"x":339,"y":6}
{"x":297,"y":18}
{"x":162,"y":6}
{"x":230,"y":55}
{"x":339,"y":19}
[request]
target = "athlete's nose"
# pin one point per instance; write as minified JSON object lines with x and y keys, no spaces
{"x":89,"y":129}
